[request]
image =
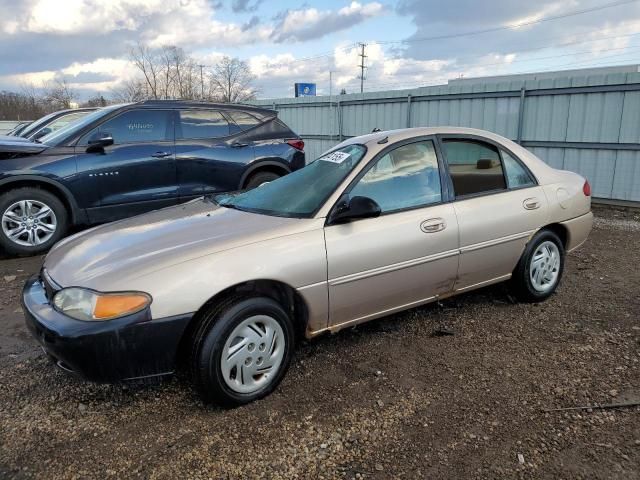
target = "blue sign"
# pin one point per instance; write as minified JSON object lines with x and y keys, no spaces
{"x":305,"y":89}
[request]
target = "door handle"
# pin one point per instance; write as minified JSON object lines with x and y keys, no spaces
{"x":239,"y":144}
{"x":433,"y":225}
{"x":531,"y":203}
{"x":161,"y":154}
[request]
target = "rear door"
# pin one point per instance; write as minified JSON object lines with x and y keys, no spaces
{"x":209,"y":160}
{"x":498,"y":205}
{"x":138,"y":172}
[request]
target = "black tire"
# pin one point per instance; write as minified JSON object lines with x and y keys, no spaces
{"x":216,"y":325}
{"x":259,"y":178}
{"x":521,"y":282}
{"x":33,"y":193}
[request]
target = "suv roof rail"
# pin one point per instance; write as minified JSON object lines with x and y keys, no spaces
{"x":187,"y":103}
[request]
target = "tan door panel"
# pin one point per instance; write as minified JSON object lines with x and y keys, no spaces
{"x":494,"y":230}
{"x":378,"y":265}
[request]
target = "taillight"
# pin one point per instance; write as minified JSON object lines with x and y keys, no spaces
{"x":296,"y":143}
{"x":586,"y":189}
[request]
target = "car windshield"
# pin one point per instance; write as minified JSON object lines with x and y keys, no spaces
{"x":301,"y":193}
{"x":54,"y":138}
{"x":37,"y":124}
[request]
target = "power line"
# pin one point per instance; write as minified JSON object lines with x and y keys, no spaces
{"x":314,"y":57}
{"x":506,"y":27}
{"x":589,"y":62}
{"x":527,"y":60}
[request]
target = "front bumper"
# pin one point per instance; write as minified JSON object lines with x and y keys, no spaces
{"x":127,"y":348}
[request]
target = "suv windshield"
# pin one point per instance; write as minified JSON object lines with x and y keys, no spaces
{"x":54,"y":138}
{"x":301,"y":193}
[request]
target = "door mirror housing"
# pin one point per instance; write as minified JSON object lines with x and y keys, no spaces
{"x":98,"y":141}
{"x":356,"y":208}
{"x":42,"y":133}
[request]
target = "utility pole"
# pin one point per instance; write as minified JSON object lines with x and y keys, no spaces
{"x":362,"y":65}
{"x":201,"y":82}
{"x":331,"y":112}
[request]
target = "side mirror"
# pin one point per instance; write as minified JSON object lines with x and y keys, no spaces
{"x":98,"y":141}
{"x":42,"y":133}
{"x":356,"y":208}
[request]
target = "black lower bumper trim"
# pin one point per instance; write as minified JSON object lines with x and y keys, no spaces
{"x":125,"y":349}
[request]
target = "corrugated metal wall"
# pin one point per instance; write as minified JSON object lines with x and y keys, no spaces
{"x":588,"y":124}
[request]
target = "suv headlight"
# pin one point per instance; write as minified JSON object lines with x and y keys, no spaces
{"x":89,"y":305}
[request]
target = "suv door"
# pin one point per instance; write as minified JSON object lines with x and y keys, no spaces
{"x":498,"y":205}
{"x":406,"y":256}
{"x":208,"y":159}
{"x":138,"y":172}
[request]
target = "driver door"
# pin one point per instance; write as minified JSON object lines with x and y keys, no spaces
{"x":406,"y":256}
{"x":138,"y":172}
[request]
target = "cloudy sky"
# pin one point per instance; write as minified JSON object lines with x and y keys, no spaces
{"x":409,"y":42}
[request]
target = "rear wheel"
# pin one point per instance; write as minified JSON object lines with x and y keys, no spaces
{"x":540,"y":268}
{"x":32,"y":220}
{"x":260,"y":178}
{"x":241,"y":350}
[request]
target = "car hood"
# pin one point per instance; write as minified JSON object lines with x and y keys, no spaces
{"x":9,"y":144}
{"x":128,"y":249}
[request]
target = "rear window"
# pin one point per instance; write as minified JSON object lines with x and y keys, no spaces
{"x":474,"y":166}
{"x":243,"y":120}
{"x":202,"y":124}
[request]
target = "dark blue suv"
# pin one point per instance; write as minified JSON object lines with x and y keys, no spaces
{"x":124,"y":160}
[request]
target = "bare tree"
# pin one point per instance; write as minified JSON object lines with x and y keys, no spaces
{"x":96,"y":101}
{"x":132,"y":90}
{"x":20,"y":106}
{"x":169,"y":72}
{"x":232,"y":81}
{"x":58,"y":94}
{"x":146,"y":60}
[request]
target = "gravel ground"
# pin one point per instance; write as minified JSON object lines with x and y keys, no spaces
{"x":390,"y":399}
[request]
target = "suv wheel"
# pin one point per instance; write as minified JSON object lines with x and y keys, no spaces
{"x":242,"y":350}
{"x":260,"y":178}
{"x":540,"y":268}
{"x":32,"y":220}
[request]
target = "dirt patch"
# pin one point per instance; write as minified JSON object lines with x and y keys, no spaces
{"x":385,"y":400}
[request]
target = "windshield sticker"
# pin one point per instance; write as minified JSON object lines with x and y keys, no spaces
{"x":336,"y":157}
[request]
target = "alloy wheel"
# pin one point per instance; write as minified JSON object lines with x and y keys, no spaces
{"x":29,"y":223}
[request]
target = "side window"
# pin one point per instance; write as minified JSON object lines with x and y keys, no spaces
{"x":403,"y":178}
{"x":475,"y":167}
{"x":202,"y":124}
{"x":243,"y":120}
{"x":135,"y":126}
{"x":517,"y":176}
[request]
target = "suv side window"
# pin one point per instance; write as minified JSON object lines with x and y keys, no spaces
{"x":406,"y":177}
{"x":135,"y":126}
{"x":243,"y":121}
{"x":517,"y":175}
{"x":475,"y":167}
{"x":202,"y":124}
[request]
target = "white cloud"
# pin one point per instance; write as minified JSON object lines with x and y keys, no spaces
{"x":309,"y":23}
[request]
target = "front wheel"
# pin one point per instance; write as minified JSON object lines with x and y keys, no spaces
{"x":32,"y":220}
{"x":242,"y":350}
{"x":540,"y":268}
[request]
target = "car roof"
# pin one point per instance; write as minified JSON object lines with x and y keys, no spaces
{"x":201,"y":104}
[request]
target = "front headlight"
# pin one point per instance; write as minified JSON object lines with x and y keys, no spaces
{"x":89,"y":305}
